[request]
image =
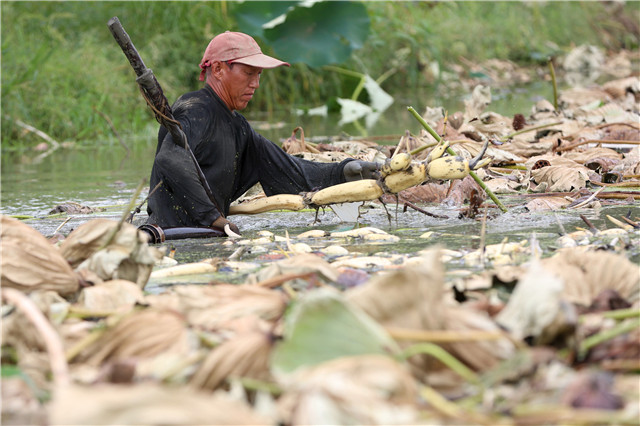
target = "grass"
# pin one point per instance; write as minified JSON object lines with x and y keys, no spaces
{"x":61,"y":66}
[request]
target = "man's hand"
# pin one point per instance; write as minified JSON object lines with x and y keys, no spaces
{"x":356,"y":170}
{"x":221,"y":222}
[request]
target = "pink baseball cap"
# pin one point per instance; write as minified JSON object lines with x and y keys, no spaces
{"x":236,"y":47}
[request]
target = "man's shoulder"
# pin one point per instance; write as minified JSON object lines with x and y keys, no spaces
{"x":192,"y":100}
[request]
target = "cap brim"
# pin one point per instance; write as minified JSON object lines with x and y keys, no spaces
{"x":261,"y":60}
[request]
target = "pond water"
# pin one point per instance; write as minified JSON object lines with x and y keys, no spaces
{"x":106,"y":177}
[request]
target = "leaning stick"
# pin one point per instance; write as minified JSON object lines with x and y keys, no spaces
{"x":452,"y":152}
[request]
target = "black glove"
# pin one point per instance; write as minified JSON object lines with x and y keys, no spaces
{"x":220,"y":223}
{"x":356,"y":170}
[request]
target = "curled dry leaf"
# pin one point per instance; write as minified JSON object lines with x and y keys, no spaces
{"x":18,"y":331}
{"x":587,"y":274}
{"x":217,"y":307}
{"x":479,"y":355}
{"x":299,"y":264}
{"x":547,"y":203}
{"x":244,"y":355}
{"x":149,"y":404}
{"x":536,"y":309}
{"x":366,"y":389}
{"x":413,"y":298}
{"x":30,"y":263}
{"x":83,"y":241}
{"x":141,"y":334}
{"x":111,"y":296}
{"x":590,"y":154}
{"x":560,"y":178}
{"x":127,"y":256}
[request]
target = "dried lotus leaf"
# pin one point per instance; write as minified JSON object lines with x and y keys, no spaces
{"x":91,"y":236}
{"x":587,"y":274}
{"x":30,"y":263}
{"x":299,"y":264}
{"x":83,"y":241}
{"x":366,"y":389}
{"x":479,"y":355}
{"x":536,"y":308}
{"x":408,"y":297}
{"x":212,"y":307}
{"x":561,"y":178}
{"x":148,"y":404}
{"x":111,"y":296}
{"x":18,"y":330}
{"x":114,"y":263}
{"x":244,"y":355}
{"x":141,"y":334}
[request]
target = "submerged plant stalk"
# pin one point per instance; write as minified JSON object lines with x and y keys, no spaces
{"x":552,"y":71}
{"x":452,"y":152}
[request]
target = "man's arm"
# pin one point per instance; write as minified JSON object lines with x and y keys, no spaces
{"x":180,"y":178}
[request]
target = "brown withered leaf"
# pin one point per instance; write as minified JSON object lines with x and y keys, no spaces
{"x":584,"y":156}
{"x":523,"y":146}
{"x":19,"y":332}
{"x":587,"y":274}
{"x":619,"y":88}
{"x":127,"y":256}
{"x":243,"y":355}
{"x":217,"y":307}
{"x":83,"y":241}
{"x":413,"y":298}
{"x":547,"y":203}
{"x":141,"y":334}
{"x":111,"y":296}
{"x":560,"y":178}
{"x":30,"y":263}
{"x":294,"y":145}
{"x":480,"y":355}
{"x":149,"y":404}
{"x":601,"y":164}
{"x":299,"y":264}
{"x":366,"y":389}
{"x":536,"y":309}
{"x":427,"y":193}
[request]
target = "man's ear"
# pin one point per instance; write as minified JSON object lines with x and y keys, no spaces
{"x":216,"y":69}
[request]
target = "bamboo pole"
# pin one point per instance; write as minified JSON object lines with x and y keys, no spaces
{"x":452,"y":152}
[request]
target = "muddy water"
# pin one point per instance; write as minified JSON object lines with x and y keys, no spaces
{"x":105,"y":178}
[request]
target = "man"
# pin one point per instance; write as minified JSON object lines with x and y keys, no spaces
{"x":232,"y":156}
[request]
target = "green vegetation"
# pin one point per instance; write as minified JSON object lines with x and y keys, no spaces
{"x":63,"y":73}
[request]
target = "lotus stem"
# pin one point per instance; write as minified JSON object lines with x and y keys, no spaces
{"x":443,"y":356}
{"x":442,"y":336}
{"x":529,"y":129}
{"x":452,"y":152}
{"x":125,"y":215}
{"x":603,"y":336}
{"x":552,"y":71}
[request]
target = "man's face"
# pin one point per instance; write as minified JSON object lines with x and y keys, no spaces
{"x":239,"y":82}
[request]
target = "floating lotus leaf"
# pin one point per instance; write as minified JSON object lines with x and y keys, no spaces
{"x":323,"y":326}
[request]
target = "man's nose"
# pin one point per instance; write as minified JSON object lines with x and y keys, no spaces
{"x":255,"y":82}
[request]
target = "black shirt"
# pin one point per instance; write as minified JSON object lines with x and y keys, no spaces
{"x":233,"y":158}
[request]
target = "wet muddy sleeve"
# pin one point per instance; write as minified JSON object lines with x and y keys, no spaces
{"x":281,"y":173}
